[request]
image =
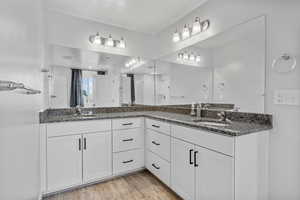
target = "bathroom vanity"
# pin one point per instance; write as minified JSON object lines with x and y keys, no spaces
{"x":196,"y":160}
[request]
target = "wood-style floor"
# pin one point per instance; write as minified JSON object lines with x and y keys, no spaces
{"x":138,"y":186}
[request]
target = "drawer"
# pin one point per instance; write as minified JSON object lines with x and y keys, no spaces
{"x":213,"y":141}
{"x":160,"y":126}
{"x":128,"y":161}
{"x":126,"y":123}
{"x":158,"y":167}
{"x":128,"y":139}
{"x":71,"y":128}
{"x":158,"y":143}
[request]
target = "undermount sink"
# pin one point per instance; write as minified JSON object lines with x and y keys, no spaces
{"x":211,"y":122}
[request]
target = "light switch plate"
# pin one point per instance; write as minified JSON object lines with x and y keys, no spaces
{"x":287,"y":97}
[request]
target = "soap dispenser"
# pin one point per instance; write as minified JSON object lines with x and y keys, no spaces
{"x":193,"y":113}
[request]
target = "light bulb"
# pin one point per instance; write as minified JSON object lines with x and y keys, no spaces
{"x":185,"y":56}
{"x":122,"y":43}
{"x":127,"y":65}
{"x":205,"y":25}
{"x":176,"y":36}
{"x":196,"y":26}
{"x":185,"y":32}
{"x":198,"y":58}
{"x":180,"y":56}
{"x":192,"y":57}
{"x":110,"y":41}
{"x":97,"y":39}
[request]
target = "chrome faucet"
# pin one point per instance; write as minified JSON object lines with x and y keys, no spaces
{"x":223,"y":117}
{"x":199,"y":110}
{"x":78,"y":110}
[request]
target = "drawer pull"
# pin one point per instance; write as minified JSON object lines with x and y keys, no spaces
{"x":195,"y":158}
{"x":153,"y":165}
{"x":79,"y":144}
{"x":127,"y":124}
{"x":84,"y":143}
{"x":128,"y":140}
{"x":128,"y":161}
{"x":191,"y":151}
{"x":157,"y":144}
{"x":155,"y":126}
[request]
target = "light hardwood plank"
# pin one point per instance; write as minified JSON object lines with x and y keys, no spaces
{"x":138,"y":186}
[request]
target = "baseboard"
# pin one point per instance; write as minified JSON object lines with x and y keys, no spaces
{"x":91,"y":183}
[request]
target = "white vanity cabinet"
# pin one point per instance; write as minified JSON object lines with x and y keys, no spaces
{"x":96,"y":156}
{"x":77,"y":153}
{"x":128,"y":145}
{"x":211,"y":166}
{"x":158,"y":153}
{"x":194,"y":163}
{"x":64,"y":162}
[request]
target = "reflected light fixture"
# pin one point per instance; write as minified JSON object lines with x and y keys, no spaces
{"x":188,"y":58}
{"x":192,"y":57}
{"x":185,"y":56}
{"x":176,"y":36}
{"x":185,"y":32}
{"x":121,"y":44}
{"x":196,"y":26}
{"x":132,"y":62}
{"x":110,"y":41}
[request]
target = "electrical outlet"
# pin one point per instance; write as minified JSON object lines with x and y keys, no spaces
{"x":287,"y":97}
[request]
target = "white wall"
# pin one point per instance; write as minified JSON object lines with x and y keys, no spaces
{"x":20,"y":61}
{"x":283,"y":35}
{"x":74,"y":32}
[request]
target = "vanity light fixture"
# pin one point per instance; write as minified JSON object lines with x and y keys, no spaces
{"x":185,"y":56}
{"x":110,"y":42}
{"x":185,"y":32}
{"x":198,"y":27}
{"x":192,"y":57}
{"x":198,"y":59}
{"x":176,"y":36}
{"x":121,"y":44}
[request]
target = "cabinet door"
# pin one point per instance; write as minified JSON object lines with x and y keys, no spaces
{"x":182,"y":169}
{"x":64,"y":157}
{"x":214,"y":175}
{"x":97,"y":156}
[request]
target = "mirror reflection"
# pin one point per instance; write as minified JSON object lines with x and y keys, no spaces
{"x":227,"y":68}
{"x":92,"y":79}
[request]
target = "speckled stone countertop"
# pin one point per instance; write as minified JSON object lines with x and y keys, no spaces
{"x":236,"y":128}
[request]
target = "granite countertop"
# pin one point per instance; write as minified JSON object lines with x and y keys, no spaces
{"x":236,"y":128}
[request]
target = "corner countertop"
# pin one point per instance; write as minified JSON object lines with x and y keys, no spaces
{"x":236,"y":128}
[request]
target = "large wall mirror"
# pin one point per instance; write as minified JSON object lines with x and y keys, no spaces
{"x":93,"y":79}
{"x":227,"y":68}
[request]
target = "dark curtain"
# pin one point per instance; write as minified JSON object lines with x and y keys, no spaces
{"x":76,"y":88}
{"x":132,"y":88}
